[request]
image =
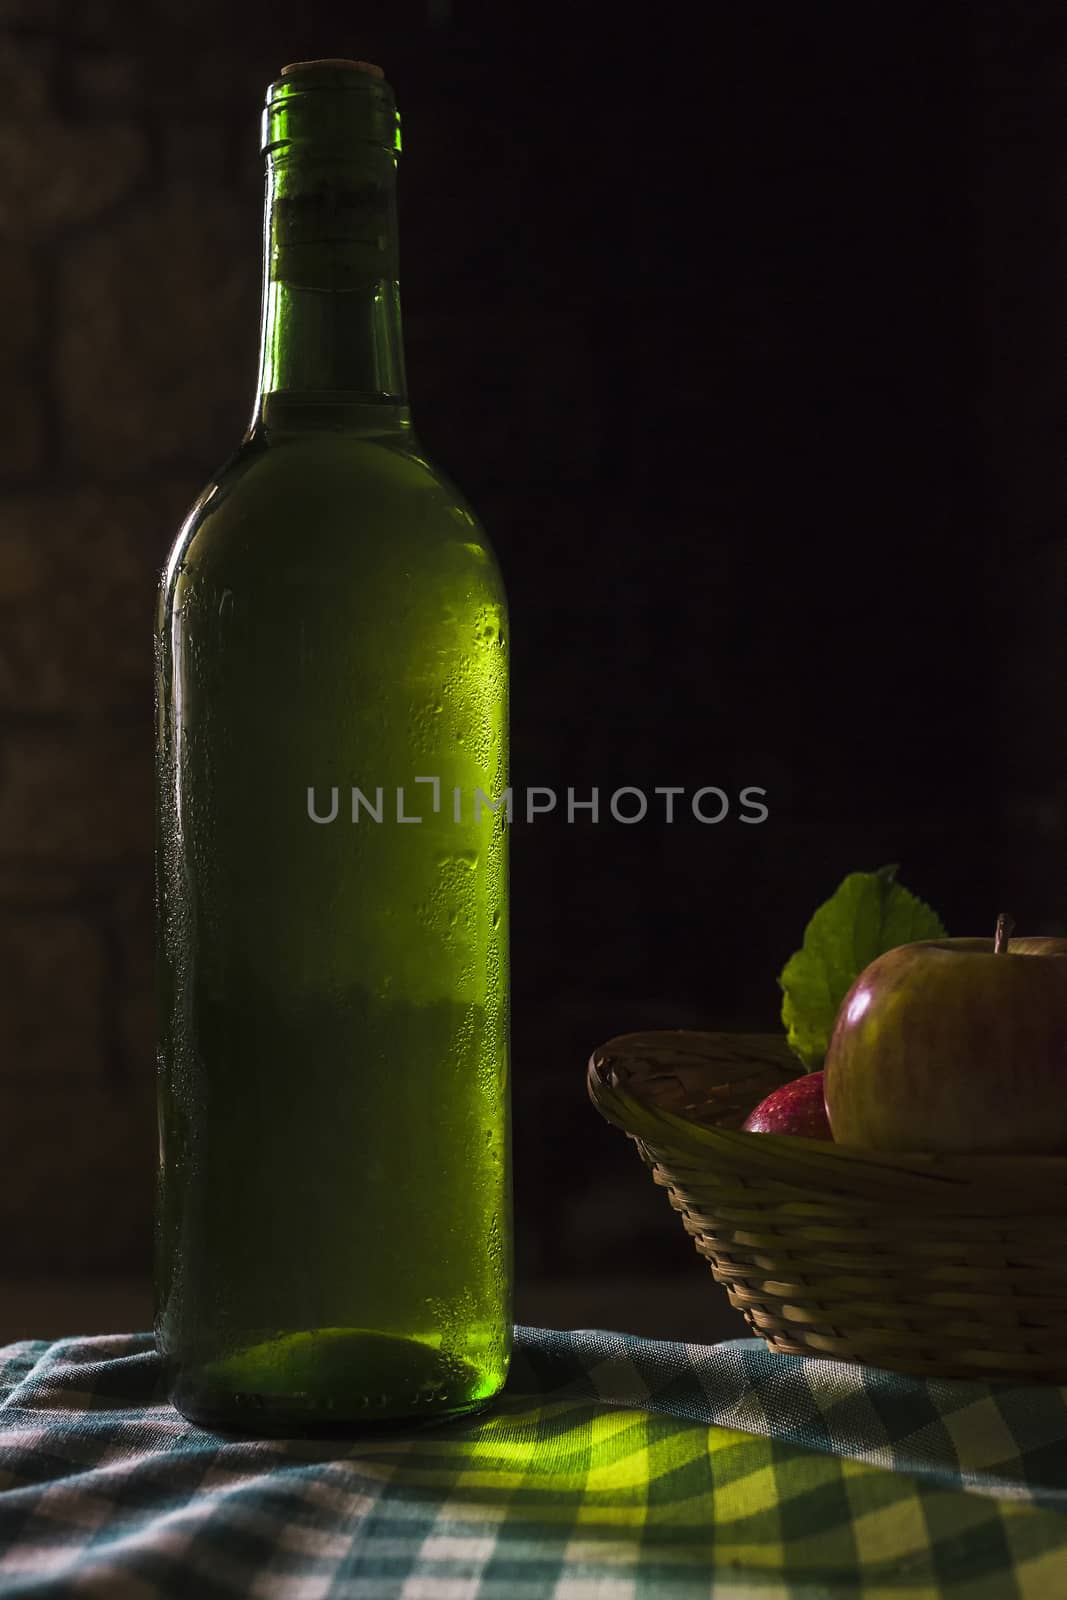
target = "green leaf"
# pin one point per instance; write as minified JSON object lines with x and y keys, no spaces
{"x":869,"y":914}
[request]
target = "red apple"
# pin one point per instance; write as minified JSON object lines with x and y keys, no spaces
{"x":796,"y":1108}
{"x":954,"y":1045}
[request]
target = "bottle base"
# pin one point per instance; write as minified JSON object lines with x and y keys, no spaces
{"x":246,"y":1417}
{"x":330,"y":1382}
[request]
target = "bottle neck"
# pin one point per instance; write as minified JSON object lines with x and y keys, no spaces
{"x":331,"y":352}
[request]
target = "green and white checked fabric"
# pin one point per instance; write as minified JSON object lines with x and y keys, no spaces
{"x":612,"y":1468}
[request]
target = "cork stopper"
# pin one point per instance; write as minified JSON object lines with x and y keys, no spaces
{"x":332,"y":61}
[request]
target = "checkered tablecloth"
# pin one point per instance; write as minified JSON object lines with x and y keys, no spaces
{"x":612,"y":1468}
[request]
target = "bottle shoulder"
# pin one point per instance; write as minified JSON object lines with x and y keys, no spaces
{"x":335,"y":503}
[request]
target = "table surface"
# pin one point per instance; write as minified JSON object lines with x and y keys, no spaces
{"x":611,"y":1468}
{"x":681,"y":1304}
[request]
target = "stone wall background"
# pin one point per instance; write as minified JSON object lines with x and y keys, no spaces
{"x":126,"y":345}
{"x":774,"y":332}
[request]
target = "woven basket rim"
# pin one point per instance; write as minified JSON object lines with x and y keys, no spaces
{"x":809,"y":1164}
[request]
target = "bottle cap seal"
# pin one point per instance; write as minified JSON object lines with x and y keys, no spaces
{"x":330,"y":108}
{"x":333,"y":61}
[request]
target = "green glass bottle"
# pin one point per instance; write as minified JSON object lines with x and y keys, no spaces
{"x":333,"y":1220}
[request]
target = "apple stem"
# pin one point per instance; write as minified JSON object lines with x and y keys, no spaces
{"x":1000,"y":939}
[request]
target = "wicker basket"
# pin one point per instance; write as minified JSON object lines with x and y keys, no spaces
{"x":940,"y":1266}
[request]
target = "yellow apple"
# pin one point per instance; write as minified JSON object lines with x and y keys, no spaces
{"x":954,"y":1045}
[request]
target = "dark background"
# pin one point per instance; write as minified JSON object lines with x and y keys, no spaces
{"x":744,"y":330}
